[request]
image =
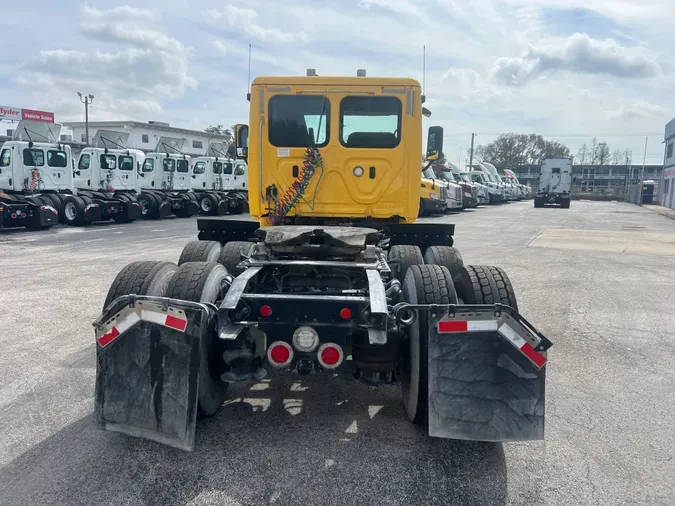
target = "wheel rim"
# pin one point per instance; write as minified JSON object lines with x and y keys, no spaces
{"x":70,"y":211}
{"x":144,"y":206}
{"x":206,"y":205}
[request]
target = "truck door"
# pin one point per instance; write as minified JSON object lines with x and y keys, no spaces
{"x":228,"y":173}
{"x":240,"y":175}
{"x":6,"y":169}
{"x":125,"y":175}
{"x":82,"y":172}
{"x":199,"y":175}
{"x":218,"y":183}
{"x":182,"y":178}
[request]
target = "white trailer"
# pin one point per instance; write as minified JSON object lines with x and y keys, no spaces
{"x":555,"y":183}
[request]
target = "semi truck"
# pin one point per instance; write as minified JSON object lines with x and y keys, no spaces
{"x":555,"y":183}
{"x":105,"y":182}
{"x":219,"y":182}
{"x":449,"y":196}
{"x":332,"y":276}
{"x":164,"y":181}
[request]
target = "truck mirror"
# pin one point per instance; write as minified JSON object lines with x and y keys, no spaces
{"x":435,"y":143}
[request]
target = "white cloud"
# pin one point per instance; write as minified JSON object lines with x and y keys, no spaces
{"x":123,"y":13}
{"x":492,"y":65}
{"x":578,"y":53}
{"x":246,"y":19}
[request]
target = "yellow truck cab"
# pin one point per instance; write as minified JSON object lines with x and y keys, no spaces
{"x":333,"y":278}
{"x":368,"y":133}
{"x":433,"y":195}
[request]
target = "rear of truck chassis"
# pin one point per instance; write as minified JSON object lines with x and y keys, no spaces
{"x":390,"y":305}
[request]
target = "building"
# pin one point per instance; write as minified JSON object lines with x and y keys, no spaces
{"x":610,"y":180}
{"x":668,"y":181}
{"x":147,"y":136}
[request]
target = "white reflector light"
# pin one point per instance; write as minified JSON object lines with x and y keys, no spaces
{"x":305,"y":339}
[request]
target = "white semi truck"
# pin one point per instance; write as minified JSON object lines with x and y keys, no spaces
{"x":105,"y":175}
{"x":164,"y":181}
{"x":219,"y":182}
{"x":555,"y":183}
{"x":42,"y":173}
{"x":496,"y":189}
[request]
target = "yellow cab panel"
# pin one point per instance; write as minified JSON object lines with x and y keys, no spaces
{"x":368,"y":132}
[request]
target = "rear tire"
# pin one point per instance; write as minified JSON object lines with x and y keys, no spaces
{"x":208,"y":204}
{"x":423,"y":284}
{"x":230,"y":256}
{"x":149,"y":206}
{"x":445,"y":256}
{"x":405,"y":256}
{"x":73,"y":210}
{"x":141,"y":278}
{"x":484,"y":284}
{"x":202,"y":282}
{"x":200,"y":251}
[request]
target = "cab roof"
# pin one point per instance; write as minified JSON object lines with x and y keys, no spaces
{"x":335,"y":81}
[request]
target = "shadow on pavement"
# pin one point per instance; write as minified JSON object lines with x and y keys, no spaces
{"x":287,"y":440}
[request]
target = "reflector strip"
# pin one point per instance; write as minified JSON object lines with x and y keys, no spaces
{"x":525,"y":348}
{"x":124,"y":324}
{"x":466,"y":326}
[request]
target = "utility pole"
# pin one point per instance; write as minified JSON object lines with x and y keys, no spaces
{"x":642,"y":172}
{"x":87,"y":100}
{"x":471,"y":152}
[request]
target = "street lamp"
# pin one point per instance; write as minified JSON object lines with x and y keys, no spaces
{"x":86,"y":101}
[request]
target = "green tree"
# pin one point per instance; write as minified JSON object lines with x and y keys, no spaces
{"x":521,"y":149}
{"x":221,"y":130}
{"x":601,"y":154}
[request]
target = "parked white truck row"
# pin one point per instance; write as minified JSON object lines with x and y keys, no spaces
{"x":478,"y":184}
{"x":41,"y":183}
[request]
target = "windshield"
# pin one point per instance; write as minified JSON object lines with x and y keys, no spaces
{"x":465,"y":177}
{"x":429,"y":173}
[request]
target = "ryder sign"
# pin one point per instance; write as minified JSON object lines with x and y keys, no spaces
{"x":17,"y":114}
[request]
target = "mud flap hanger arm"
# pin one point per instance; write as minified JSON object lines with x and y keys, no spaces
{"x":406,"y":314}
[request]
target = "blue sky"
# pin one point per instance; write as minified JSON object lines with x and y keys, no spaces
{"x":568,"y":69}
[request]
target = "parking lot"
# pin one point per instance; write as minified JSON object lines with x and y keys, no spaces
{"x":597,"y":279}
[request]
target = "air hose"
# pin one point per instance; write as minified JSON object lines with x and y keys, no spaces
{"x":282,"y":206}
{"x":35,"y":181}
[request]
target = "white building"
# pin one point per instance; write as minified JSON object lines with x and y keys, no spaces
{"x":668,"y":185}
{"x":145,"y":136}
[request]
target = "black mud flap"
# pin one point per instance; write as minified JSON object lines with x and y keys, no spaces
{"x":147,"y":373}
{"x":486,"y":372}
{"x":487,"y":375}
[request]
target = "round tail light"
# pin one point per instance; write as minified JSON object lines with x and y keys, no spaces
{"x":330,"y":355}
{"x":345,"y":313}
{"x":265,"y":311}
{"x":279,"y":354}
{"x":305,"y":339}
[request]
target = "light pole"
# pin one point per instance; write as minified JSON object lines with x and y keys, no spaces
{"x":87,"y":100}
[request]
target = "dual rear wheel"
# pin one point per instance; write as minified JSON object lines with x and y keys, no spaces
{"x":440,"y":277}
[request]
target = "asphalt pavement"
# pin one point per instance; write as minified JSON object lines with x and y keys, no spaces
{"x":598,"y":279}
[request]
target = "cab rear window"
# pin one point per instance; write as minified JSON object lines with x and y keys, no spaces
{"x":182,"y":165}
{"x":297,"y":121}
{"x":33,"y":157}
{"x":370,"y":122}
{"x":126,"y":162}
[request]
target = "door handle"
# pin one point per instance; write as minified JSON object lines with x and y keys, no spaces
{"x":371,"y":172}
{"x":295,"y":171}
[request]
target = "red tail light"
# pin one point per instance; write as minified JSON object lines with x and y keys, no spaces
{"x":265,"y":311}
{"x":345,"y":313}
{"x":279,"y":354}
{"x":330,"y":355}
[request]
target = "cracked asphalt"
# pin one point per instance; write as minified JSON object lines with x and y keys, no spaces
{"x":606,"y":300}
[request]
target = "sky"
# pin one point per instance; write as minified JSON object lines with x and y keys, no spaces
{"x":567,"y":69}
